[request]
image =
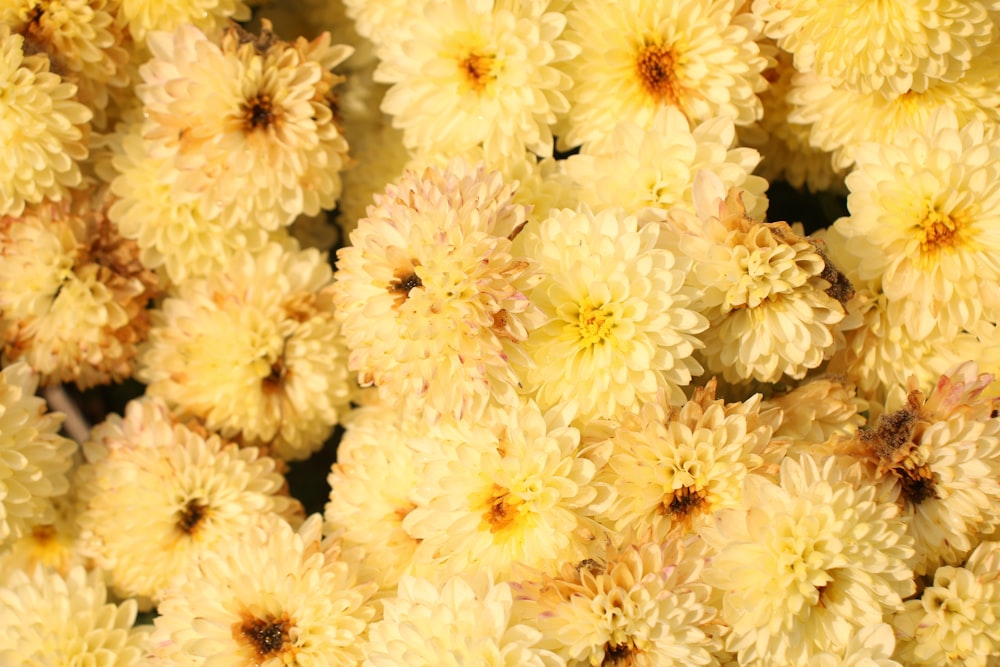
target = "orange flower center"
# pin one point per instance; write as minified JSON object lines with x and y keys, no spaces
{"x":656,"y":66}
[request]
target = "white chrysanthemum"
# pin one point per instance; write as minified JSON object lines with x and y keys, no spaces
{"x":469,"y":73}
{"x":73,"y":294}
{"x":430,"y":296}
{"x":807,"y":563}
{"x":872,"y":646}
{"x":619,"y":325}
{"x":145,"y":16}
{"x":464,"y":621}
{"x":925,"y":223}
{"x":248,"y":125}
{"x":945,"y":467}
{"x":274,"y":598}
{"x":641,"y":605}
{"x":772,"y":298}
{"x":43,"y":129}
{"x":172,"y":229}
{"x":155,"y":497}
{"x":673,"y":469}
{"x":51,"y":619}
{"x":890,"y":47}
{"x":254,"y":351}
{"x":372,"y":488}
{"x":34,"y":458}
{"x":378,"y":20}
{"x":514,"y":487}
{"x":955,"y":619}
{"x":639,"y":56}
{"x":638,"y":167}
{"x":837,"y":119}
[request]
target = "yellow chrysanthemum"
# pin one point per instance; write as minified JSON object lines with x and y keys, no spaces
{"x":43,"y":129}
{"x":249,"y":124}
{"x":889,"y":47}
{"x":639,"y":56}
{"x":145,"y":16}
{"x":619,"y":326}
{"x":477,"y":73}
{"x":254,"y":351}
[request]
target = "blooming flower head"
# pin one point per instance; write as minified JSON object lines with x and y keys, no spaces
{"x":73,"y":294}
{"x":619,"y":324}
{"x":254,"y":351}
{"x":672,"y":469}
{"x":464,"y":621}
{"x":515,"y":487}
{"x":145,"y":16}
{"x":638,"y":167}
{"x":942,"y":455}
{"x":806,"y":563}
{"x":642,"y":604}
{"x":848,"y":40}
{"x":924,"y":223}
{"x":275,"y":598}
{"x":468,"y":73}
{"x":248,"y":123}
{"x":156,"y":497}
{"x":43,"y":129}
{"x":430,"y":295}
{"x":954,"y":620}
{"x":772,"y":297}
{"x":52,"y":545}
{"x":638,"y":56}
{"x":818,"y":410}
{"x":54,"y":619}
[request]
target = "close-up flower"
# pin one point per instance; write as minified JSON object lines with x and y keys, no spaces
{"x":53,"y":619}
{"x":254,"y":351}
{"x":34,"y":459}
{"x":430,"y":294}
{"x":639,"y":56}
{"x":619,"y":323}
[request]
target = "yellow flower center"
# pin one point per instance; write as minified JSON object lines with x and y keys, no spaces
{"x":595,"y":324}
{"x":937,"y":231}
{"x":477,"y":68}
{"x":656,"y":66}
{"x":501,"y":509}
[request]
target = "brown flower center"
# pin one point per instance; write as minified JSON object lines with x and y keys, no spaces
{"x":656,"y":67}
{"x":684,"y":503}
{"x":619,"y":655}
{"x":266,"y":638}
{"x":258,"y":113}
{"x":477,"y":68}
{"x":192,"y":516}
{"x":501,"y":509}
{"x":405,"y":280}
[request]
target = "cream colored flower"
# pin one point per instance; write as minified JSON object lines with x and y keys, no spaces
{"x":835,"y":118}
{"x":848,"y":40}
{"x":34,"y":458}
{"x":156,"y":497}
{"x":43,"y":129}
{"x":638,"y":167}
{"x":54,"y":619}
{"x":174,"y":232}
{"x":372,"y":487}
{"x":954,"y":621}
{"x":247,"y":124}
{"x":73,"y":294}
{"x":254,"y":351}
{"x":469,"y":73}
{"x":464,"y":621}
{"x":944,"y":465}
{"x":924,"y":224}
{"x":639,"y":56}
{"x":53,"y":545}
{"x":619,"y":320}
{"x":872,"y":646}
{"x":641,"y":605}
{"x":82,"y":41}
{"x":431,"y":296}
{"x":274,"y":598}
{"x":817,"y":410}
{"x":807,"y":563}
{"x":515,"y":486}
{"x":772,"y":299}
{"x":672,"y":469}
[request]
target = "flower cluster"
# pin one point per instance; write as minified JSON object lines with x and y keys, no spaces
{"x":500,"y":332}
